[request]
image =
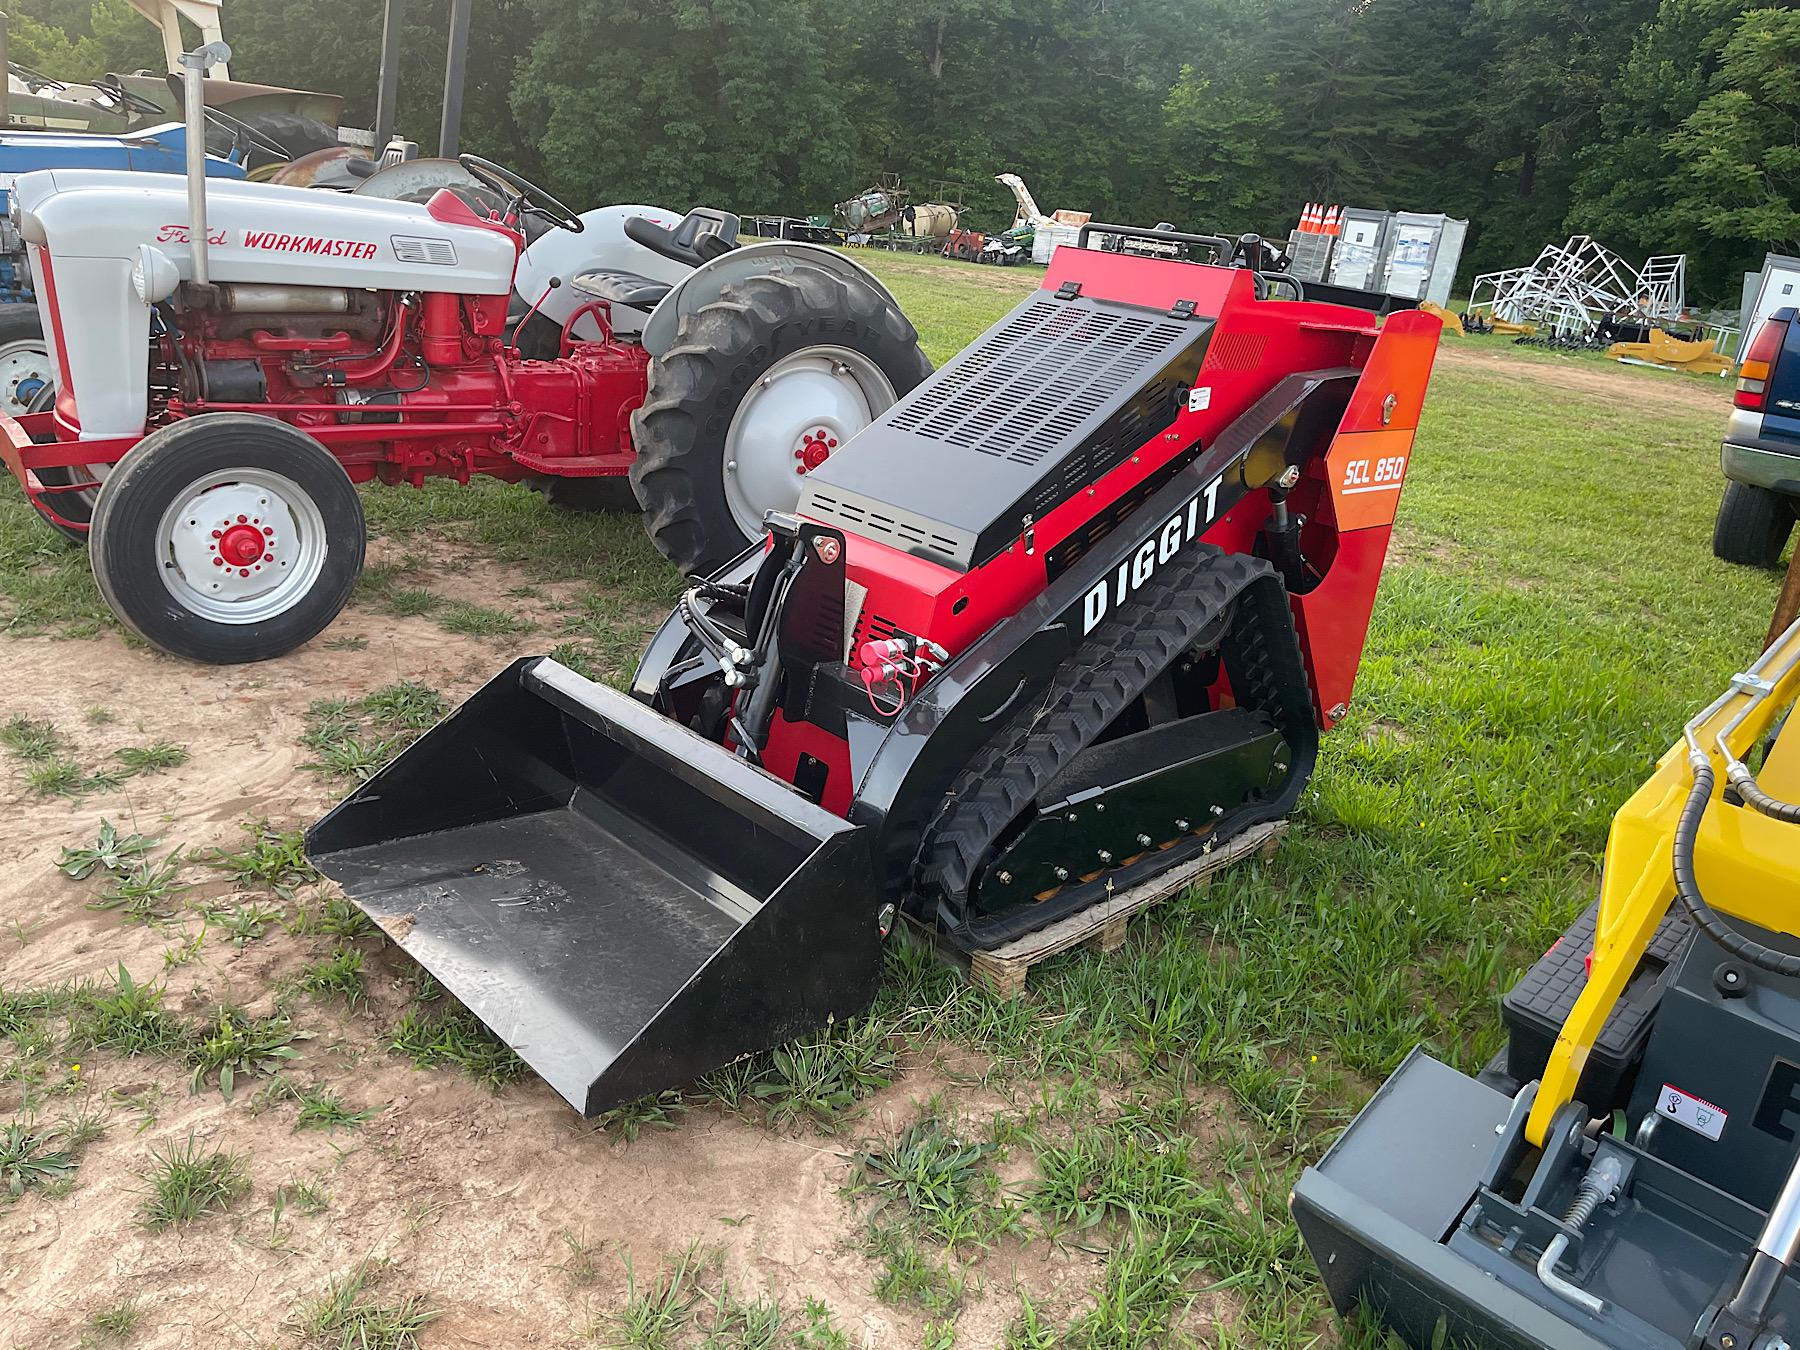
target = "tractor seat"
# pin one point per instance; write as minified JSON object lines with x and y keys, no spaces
{"x":701,"y":235}
{"x":623,"y":288}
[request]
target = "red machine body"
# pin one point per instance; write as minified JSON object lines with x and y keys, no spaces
{"x":1346,"y":494}
{"x":1061,"y":622}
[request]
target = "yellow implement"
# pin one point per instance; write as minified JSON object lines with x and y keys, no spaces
{"x":1700,"y":357}
{"x":1451,"y":320}
{"x":1746,"y":864}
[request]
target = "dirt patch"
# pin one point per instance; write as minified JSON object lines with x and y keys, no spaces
{"x":1406,"y":549}
{"x":469,"y":1198}
{"x":1381,"y":731}
{"x":1646,"y":389}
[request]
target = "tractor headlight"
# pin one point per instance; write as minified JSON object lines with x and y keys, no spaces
{"x":154,"y":275}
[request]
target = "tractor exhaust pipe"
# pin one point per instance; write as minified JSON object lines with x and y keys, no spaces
{"x":194,"y":66}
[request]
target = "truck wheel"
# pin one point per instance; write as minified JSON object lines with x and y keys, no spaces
{"x":588,"y":494}
{"x":24,"y":358}
{"x":1753,"y":525}
{"x":227,"y":538}
{"x":759,"y":388}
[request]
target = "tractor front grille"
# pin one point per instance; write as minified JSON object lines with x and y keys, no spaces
{"x":1042,"y":405}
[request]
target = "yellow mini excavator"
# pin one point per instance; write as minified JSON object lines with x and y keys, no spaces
{"x":1626,"y":1174}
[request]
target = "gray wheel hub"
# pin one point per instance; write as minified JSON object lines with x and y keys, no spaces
{"x":24,"y":369}
{"x":805,"y":406}
{"x":241,"y":546}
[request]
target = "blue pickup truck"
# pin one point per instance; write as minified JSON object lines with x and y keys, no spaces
{"x":24,"y":359}
{"x":1761,"y":453}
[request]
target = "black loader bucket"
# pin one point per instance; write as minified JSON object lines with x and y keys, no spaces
{"x":626,"y":904}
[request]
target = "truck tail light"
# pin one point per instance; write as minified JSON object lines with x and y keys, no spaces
{"x":1759,"y":358}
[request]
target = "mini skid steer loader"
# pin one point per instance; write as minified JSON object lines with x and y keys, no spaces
{"x":1068,"y":614}
{"x":1626,"y":1173}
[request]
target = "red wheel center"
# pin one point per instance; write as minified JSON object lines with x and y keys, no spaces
{"x":815,"y":449}
{"x":241,"y":545}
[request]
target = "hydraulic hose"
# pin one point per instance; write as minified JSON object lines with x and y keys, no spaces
{"x":1756,"y":684}
{"x":1687,"y":887}
{"x":1746,"y":786}
{"x":702,"y":627}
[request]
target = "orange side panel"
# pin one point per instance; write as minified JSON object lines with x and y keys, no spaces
{"x":1368,"y":459}
{"x":1392,"y":389}
{"x":1367,"y":470}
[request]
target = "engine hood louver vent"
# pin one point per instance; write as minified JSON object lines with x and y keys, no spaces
{"x":1041,"y":405}
{"x":412,"y":248}
{"x":1236,"y":351}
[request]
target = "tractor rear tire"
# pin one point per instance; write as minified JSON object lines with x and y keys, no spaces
{"x":589,"y":494}
{"x":197,"y":508}
{"x":1753,"y":525}
{"x":721,"y":354}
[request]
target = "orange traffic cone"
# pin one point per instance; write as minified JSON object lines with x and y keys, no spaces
{"x":1332,"y":220}
{"x":1309,"y":219}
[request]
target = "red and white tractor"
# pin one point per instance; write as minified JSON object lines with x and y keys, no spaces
{"x":214,"y":406}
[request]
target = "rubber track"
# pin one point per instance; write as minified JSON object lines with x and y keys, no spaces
{"x":1101,"y":679}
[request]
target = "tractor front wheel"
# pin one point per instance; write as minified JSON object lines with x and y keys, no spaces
{"x":76,"y":506}
{"x":24,"y":357}
{"x":227,"y":538}
{"x":28,"y":385}
{"x":758,"y":389}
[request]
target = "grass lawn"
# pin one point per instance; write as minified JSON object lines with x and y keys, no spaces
{"x":1551,"y":615}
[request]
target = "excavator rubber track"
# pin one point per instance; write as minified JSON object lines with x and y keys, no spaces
{"x":1251,"y":761}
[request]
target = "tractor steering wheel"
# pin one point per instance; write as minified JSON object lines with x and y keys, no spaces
{"x":527,"y":196}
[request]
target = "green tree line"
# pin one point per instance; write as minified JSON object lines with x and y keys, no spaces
{"x":1655,"y":125}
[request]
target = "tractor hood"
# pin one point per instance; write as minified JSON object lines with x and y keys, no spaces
{"x":263,"y":234}
{"x":86,"y":227}
{"x":158,"y":149}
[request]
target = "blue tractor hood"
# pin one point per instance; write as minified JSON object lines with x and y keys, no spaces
{"x":160,"y":149}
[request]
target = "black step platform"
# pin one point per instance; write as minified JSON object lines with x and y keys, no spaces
{"x":1537,"y":1006}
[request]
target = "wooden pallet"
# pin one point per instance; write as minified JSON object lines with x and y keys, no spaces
{"x":1101,"y":926}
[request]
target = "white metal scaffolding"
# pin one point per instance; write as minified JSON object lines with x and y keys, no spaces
{"x":1572,"y":287}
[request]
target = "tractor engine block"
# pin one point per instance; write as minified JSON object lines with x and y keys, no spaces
{"x":321,"y":357}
